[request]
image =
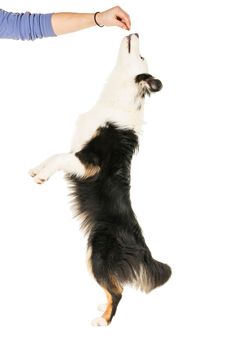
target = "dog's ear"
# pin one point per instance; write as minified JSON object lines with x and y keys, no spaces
{"x":148,"y":83}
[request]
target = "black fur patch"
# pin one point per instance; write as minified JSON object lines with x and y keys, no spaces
{"x":142,"y":77}
{"x":119,"y":251}
{"x":150,"y":84}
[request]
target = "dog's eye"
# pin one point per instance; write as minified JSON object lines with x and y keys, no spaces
{"x":142,"y":58}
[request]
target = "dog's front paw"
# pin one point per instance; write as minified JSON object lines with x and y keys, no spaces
{"x":39,"y":175}
{"x":42,"y":176}
{"x":39,"y":180}
{"x":33,"y":172}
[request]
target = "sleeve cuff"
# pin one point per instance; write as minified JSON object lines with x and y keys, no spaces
{"x":46,"y":25}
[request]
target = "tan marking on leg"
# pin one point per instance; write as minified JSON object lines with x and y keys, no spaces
{"x":88,"y":260}
{"x":91,"y":170}
{"x":108,"y":312}
{"x":117,"y":289}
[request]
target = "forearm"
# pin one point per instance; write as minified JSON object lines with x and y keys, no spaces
{"x":68,"y":22}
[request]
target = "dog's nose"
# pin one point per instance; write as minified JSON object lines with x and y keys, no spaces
{"x":137,"y":35}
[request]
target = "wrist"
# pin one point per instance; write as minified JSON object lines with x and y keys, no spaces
{"x":98,"y":18}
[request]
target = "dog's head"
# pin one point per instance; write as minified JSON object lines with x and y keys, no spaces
{"x":131,"y":65}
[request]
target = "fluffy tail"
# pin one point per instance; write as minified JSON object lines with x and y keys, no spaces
{"x":153,"y":274}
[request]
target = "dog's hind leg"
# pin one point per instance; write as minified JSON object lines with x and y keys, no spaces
{"x":113,"y":291}
{"x":66,"y":162}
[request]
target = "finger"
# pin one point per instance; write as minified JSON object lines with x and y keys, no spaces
{"x":127,"y":19}
{"x":129,"y":22}
{"x":124,"y":17}
{"x":120,"y":24}
{"x":126,"y":24}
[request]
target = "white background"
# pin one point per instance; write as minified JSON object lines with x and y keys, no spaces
{"x":181,"y":181}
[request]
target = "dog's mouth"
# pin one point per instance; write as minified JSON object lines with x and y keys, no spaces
{"x":129,"y":43}
{"x":129,"y":40}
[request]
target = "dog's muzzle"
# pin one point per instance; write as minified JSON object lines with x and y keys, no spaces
{"x":129,"y":40}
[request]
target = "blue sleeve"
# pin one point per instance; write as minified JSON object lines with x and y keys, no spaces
{"x":25,"y":26}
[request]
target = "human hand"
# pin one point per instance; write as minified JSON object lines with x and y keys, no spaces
{"x":114,"y":17}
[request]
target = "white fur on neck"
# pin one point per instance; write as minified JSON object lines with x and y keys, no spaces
{"x":118,"y":103}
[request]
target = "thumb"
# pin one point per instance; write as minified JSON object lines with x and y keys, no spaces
{"x":120,"y":24}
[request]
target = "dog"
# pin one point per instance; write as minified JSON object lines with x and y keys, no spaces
{"x":98,"y":171}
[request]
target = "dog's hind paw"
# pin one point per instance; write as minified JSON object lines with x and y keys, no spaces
{"x":102,"y":307}
{"x":100,"y":321}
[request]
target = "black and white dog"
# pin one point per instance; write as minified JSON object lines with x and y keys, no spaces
{"x":98,"y":169}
